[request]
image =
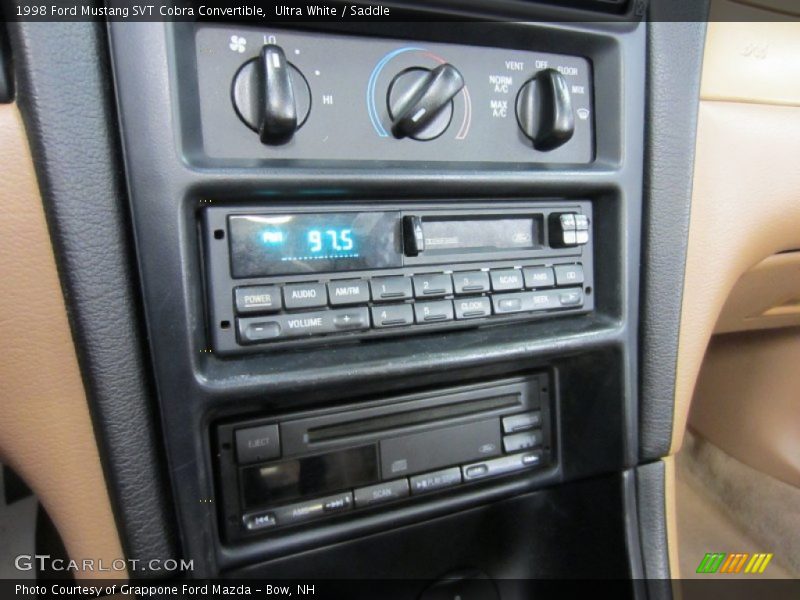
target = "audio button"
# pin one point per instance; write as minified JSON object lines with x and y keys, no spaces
{"x":305,"y":295}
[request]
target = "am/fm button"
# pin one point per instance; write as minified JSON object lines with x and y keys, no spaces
{"x":355,"y":291}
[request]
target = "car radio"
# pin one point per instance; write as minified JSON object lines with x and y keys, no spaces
{"x":311,"y":275}
{"x":276,"y":473}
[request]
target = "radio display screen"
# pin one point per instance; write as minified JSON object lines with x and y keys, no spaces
{"x":289,"y":244}
{"x":482,"y":234}
{"x":308,"y":476}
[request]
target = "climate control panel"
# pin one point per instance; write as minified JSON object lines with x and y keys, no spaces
{"x":277,"y":94}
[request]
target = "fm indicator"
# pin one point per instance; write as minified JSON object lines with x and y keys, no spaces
{"x":265,"y":245}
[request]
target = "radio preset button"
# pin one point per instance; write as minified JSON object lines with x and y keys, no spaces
{"x":355,"y":291}
{"x":506,"y":279}
{"x":437,"y":480}
{"x":256,"y":299}
{"x":392,"y":315}
{"x":305,"y":295}
{"x":431,"y":285}
{"x":391,"y":288}
{"x":472,"y":308}
{"x":522,"y":422}
{"x":380,"y":493}
{"x":522,"y":441}
{"x":431,"y":312}
{"x":569,"y":274}
{"x":539,"y":277}
{"x":471,"y":282}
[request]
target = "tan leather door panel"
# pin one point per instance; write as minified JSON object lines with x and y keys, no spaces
{"x":46,"y":433}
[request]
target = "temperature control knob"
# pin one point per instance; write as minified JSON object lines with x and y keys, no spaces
{"x":420,"y":101}
{"x":271,"y":96}
{"x":544,"y":110}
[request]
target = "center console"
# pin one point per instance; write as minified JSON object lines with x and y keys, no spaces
{"x":391,"y":290}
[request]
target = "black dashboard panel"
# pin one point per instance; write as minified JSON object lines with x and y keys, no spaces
{"x":193,"y":165}
{"x":350,"y":83}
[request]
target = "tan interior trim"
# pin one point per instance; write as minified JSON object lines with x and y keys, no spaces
{"x":748,"y":400}
{"x":746,"y":191}
{"x":766,"y":297}
{"x":751,"y":56}
{"x":670,"y":512}
{"x":745,"y":208}
{"x":46,"y":433}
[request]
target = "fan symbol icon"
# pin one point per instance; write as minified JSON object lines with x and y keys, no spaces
{"x":237,"y":44}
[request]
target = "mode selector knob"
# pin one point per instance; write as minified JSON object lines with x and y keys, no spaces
{"x":271,"y":96}
{"x":420,"y":101}
{"x":544,"y":110}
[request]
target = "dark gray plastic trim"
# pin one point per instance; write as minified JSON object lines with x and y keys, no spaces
{"x":64,"y":97}
{"x":675,"y":54}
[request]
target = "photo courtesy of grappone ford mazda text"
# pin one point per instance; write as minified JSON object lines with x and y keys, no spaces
{"x":403,"y":299}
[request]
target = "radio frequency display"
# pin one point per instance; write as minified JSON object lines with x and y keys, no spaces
{"x":263,"y":245}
